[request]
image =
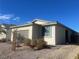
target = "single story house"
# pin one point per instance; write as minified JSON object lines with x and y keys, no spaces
{"x":5,"y":31}
{"x":2,"y":32}
{"x":52,"y":32}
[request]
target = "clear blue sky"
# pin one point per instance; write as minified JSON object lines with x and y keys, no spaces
{"x":21,"y":11}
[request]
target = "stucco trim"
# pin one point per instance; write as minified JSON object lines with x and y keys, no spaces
{"x":21,"y":26}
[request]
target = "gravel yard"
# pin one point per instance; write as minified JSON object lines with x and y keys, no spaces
{"x":58,"y":52}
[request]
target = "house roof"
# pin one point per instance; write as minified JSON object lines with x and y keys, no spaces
{"x":22,"y":25}
{"x":43,"y":23}
{"x":37,"y":21}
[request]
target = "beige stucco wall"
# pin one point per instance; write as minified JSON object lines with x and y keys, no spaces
{"x":23,"y":28}
{"x":36,"y":31}
{"x":60,"y":35}
{"x":51,"y":40}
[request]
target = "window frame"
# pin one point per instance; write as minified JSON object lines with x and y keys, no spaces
{"x":48,"y":31}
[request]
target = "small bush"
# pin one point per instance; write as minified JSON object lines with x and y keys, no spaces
{"x":27,"y":42}
{"x":40,"y":44}
{"x":35,"y":43}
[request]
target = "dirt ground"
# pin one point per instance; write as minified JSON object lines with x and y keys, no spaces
{"x":58,"y":52}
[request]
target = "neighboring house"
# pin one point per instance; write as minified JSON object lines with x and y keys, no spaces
{"x":8,"y":31}
{"x":2,"y":32}
{"x":2,"y":36}
{"x":52,"y":32}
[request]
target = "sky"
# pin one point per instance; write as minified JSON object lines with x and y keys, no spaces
{"x":22,"y":11}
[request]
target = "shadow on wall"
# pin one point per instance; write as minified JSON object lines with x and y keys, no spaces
{"x":75,"y":38}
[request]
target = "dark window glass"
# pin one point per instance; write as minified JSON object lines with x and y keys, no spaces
{"x":48,"y":31}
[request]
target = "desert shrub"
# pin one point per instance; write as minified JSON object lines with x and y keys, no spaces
{"x":35,"y":43}
{"x":40,"y":44}
{"x":27,"y":42}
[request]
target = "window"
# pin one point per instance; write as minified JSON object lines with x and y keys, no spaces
{"x":48,"y":31}
{"x":43,"y":31}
